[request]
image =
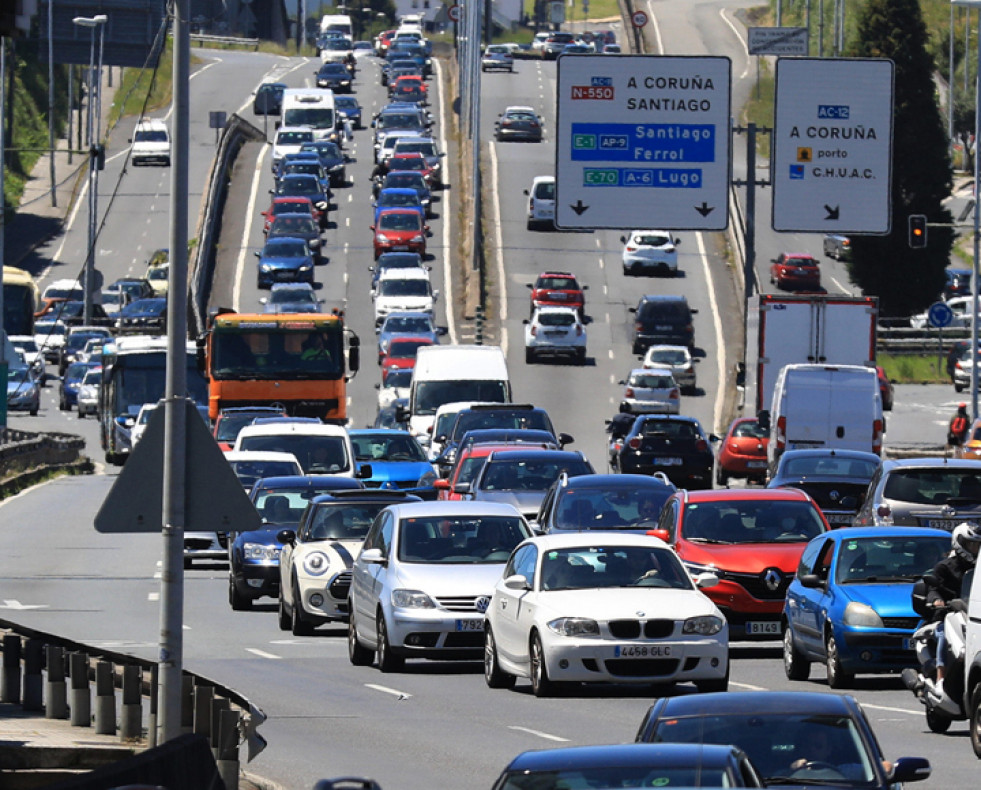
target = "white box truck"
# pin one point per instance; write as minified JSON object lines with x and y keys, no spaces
{"x":825,"y":406}
{"x":446,"y":374}
{"x":815,"y":329}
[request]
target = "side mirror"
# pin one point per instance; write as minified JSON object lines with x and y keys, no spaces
{"x":660,"y":534}
{"x":435,"y":294}
{"x":565,"y":438}
{"x":525,"y":321}
{"x":441,"y":484}
{"x":373,"y":556}
{"x":530,"y":285}
{"x":763,"y":417}
{"x":693,"y":310}
{"x":811,"y":581}
{"x":263,"y":300}
{"x":623,"y":239}
{"x":363,"y":472}
{"x":705,"y":580}
{"x":257,"y":254}
{"x":527,"y":192}
{"x":462,"y":488}
{"x":632,"y":310}
{"x":517,"y":582}
{"x":286,"y":536}
{"x":677,"y":242}
{"x":910,"y":769}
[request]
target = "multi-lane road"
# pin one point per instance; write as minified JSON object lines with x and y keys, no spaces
{"x":436,"y":724}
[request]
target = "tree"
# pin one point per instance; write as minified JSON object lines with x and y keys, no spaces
{"x":907,"y":280}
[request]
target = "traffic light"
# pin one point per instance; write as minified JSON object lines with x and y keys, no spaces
{"x":917,"y":231}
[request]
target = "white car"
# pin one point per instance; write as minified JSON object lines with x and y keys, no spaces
{"x":650,"y":249}
{"x":395,"y":385}
{"x":960,"y":306}
{"x":33,"y":356}
{"x":555,"y":331}
{"x":150,"y":143}
{"x":424,"y":578}
{"x":289,"y":140}
{"x":50,"y":338}
{"x":315,"y":561}
{"x":141,"y":422}
{"x":650,"y":391}
{"x":538,"y":42}
{"x":320,"y":449}
{"x":88,"y":393}
{"x":678,"y":359}
{"x":252,"y":465}
{"x":400,"y":290}
{"x":617,"y":608}
{"x":541,"y":202}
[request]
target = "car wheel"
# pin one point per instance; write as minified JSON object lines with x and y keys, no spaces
{"x":958,"y":387}
{"x":580,"y":356}
{"x":299,"y":626}
{"x":285,"y":621}
{"x":33,"y":412}
{"x":187,"y":563}
{"x":495,"y":677}
{"x":975,"y":721}
{"x":358,"y":654}
{"x":838,"y":678}
{"x":238,"y":602}
{"x":388,"y":660}
{"x":937,"y":721}
{"x":541,"y":684}
{"x":529,"y":356}
{"x":714,"y":685}
{"x":795,"y":665}
{"x":64,"y":406}
{"x":721,"y":478}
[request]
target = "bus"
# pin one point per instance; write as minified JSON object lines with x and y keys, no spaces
{"x":313,"y":107}
{"x":21,"y":300}
{"x":296,"y":361}
{"x":134,"y":372}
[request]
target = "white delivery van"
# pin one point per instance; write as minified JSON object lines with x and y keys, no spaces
{"x":825,"y":406}
{"x":150,"y":143}
{"x":320,"y":449}
{"x":340,"y":23}
{"x":448,"y":374}
{"x":311,"y":107}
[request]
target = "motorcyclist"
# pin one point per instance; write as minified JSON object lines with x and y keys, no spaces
{"x":943,"y":585}
{"x":959,"y":425}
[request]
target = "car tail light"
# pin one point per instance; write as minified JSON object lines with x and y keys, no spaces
{"x":877,"y":437}
{"x":701,"y":446}
{"x":578,"y":330}
{"x":634,"y":444}
{"x":781,"y":436}
{"x":629,"y":392}
{"x":534,"y":331}
{"x":674,"y":395}
{"x":690,"y":328}
{"x":638,"y":327}
{"x":631,"y":249}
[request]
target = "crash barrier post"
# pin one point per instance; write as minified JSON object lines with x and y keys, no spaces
{"x":81,"y":701}
{"x":131,"y":722}
{"x":479,"y":325}
{"x":105,"y":699}
{"x":33,"y":683}
{"x":203,"y":697}
{"x":227,"y":759}
{"x":57,"y":696}
{"x":187,"y":704}
{"x":152,"y":728}
{"x":10,"y":682}
{"x":218,"y":705}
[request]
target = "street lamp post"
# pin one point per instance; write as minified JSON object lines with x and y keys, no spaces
{"x":92,"y":23}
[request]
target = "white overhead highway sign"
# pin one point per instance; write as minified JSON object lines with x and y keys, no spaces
{"x":832,"y":145}
{"x":642,"y":141}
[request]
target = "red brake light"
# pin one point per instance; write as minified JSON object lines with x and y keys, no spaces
{"x":629,"y":393}
{"x":634,"y":443}
{"x":701,"y":445}
{"x":674,"y":394}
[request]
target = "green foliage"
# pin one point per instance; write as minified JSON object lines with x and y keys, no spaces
{"x":914,"y":368}
{"x":906,"y":280}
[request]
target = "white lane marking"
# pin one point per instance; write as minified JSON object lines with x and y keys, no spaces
{"x":153,"y":596}
{"x":270,"y":76}
{"x":610,"y":352}
{"x":249,"y":214}
{"x":739,"y":35}
{"x":751,"y":687}
{"x":657,"y":31}
{"x":447,"y":221}
{"x":499,"y":240}
{"x":538,"y":733}
{"x":261,"y":653}
{"x":386,"y":690}
{"x":747,"y":686}
{"x":719,"y":337}
{"x":841,"y":287}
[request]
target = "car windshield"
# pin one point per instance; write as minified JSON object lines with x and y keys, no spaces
{"x":430,"y":395}
{"x":18,"y":375}
{"x":404,"y":288}
{"x":557,"y":284}
{"x":411,"y":163}
{"x":657,"y":774}
{"x":668,"y":356}
{"x":933,"y":486}
{"x":424,"y":147}
{"x":408,"y":323}
{"x":50,"y":329}
{"x":747,"y":521}
{"x":293,"y":207}
{"x":776,"y":741}
{"x":610,"y":508}
{"x":293,"y":138}
{"x":379,"y":447}
{"x":454,"y":540}
{"x":93,"y":378}
{"x":341,"y":520}
{"x":316,"y":453}
{"x":387,"y":199}
{"x":521,"y":117}
{"x":545,"y":191}
{"x":404,"y":179}
{"x":586,"y":567}
{"x":651,"y":381}
{"x":286,"y":248}
{"x":158,"y":273}
{"x":299,"y":185}
{"x":830,"y":465}
{"x":652,"y":239}
{"x":400,"y":221}
{"x":556,"y":319}
{"x":282,"y":506}
{"x":230,"y":424}
{"x":888,"y":559}
{"x":250,"y":471}
{"x":301,"y":225}
{"x":397,"y":378}
{"x":305,"y":168}
{"x":532,"y":474}
{"x":750,"y":430}
{"x":475,"y":420}
{"x":292,"y":296}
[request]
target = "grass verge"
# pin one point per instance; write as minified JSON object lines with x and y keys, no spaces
{"x":915,"y":369}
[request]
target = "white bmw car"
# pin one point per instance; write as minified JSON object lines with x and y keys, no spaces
{"x":615,"y":608}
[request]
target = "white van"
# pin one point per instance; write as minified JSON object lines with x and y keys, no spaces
{"x":541,"y":202}
{"x":340,"y":23}
{"x":320,"y":449}
{"x":311,"y":107}
{"x":825,"y":406}
{"x":150,"y":143}
{"x":448,"y":374}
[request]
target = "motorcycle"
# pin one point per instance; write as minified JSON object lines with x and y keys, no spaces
{"x":941,"y":709}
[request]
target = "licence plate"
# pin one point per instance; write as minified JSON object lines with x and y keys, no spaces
{"x":641,"y":651}
{"x":400,"y":246}
{"x":948,"y":523}
{"x":469,"y":625}
{"x":756,"y":465}
{"x":663,"y":328}
{"x":756,"y":627}
{"x":667,"y":462}
{"x":839,"y":518}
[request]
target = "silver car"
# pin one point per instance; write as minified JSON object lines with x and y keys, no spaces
{"x":424,"y":578}
{"x":923,"y":492}
{"x":676,"y":358}
{"x":650,"y":391}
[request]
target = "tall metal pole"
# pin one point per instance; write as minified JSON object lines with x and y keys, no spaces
{"x":175,"y":446}
{"x":975,"y":324}
{"x":950,"y":81}
{"x":90,"y":246}
{"x":98,"y":87}
{"x":3,"y":202}
{"x":821,"y":28}
{"x":71,"y":107}
{"x":51,"y":100}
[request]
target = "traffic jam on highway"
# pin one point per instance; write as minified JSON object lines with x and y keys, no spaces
{"x":463,"y":524}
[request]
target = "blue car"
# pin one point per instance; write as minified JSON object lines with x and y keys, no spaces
{"x":304,"y":163}
{"x":849,"y":605}
{"x":397,"y":460}
{"x":406,"y":322}
{"x":308,"y":186}
{"x":71,"y":381}
{"x":398,"y":198}
{"x":284,"y":258}
{"x":349,"y":108}
{"x":254,"y":556}
{"x":332,"y":159}
{"x":406,"y":179}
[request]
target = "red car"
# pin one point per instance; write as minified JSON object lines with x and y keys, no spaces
{"x":742,"y":452}
{"x":795,"y":271}
{"x":411,"y":81}
{"x":400,"y":230}
{"x":401,"y":352}
{"x":885,"y":389}
{"x":752,"y":539}
{"x":558,"y":289}
{"x":413,"y":161}
{"x":288,"y":205}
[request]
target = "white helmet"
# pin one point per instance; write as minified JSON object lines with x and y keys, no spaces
{"x":965,"y":540}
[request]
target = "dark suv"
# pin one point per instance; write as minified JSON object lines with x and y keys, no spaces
{"x":662,"y":319}
{"x":676,"y":446}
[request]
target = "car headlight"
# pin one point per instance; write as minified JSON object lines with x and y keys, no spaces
{"x":694,"y":568}
{"x":265,"y":267}
{"x":705,"y":625}
{"x":322,"y":205}
{"x":418,"y":238}
{"x":412,"y":599}
{"x":335,"y":168}
{"x":381,"y":238}
{"x":860,"y":614}
{"x":305,"y":267}
{"x":260,"y":552}
{"x":574,"y":626}
{"x":316,"y":563}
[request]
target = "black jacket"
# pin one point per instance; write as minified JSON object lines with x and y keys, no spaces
{"x":944,"y":581}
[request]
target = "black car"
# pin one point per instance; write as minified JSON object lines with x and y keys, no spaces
{"x":144,"y":315}
{"x":672,"y":444}
{"x":836,"y":479}
{"x":332,"y":160}
{"x":268,"y":99}
{"x":254,"y":556}
{"x":792,"y":737}
{"x":335,"y":76}
{"x":298,"y":226}
{"x":133,"y":287}
{"x":604,"y":502}
{"x":662,"y":319}
{"x":75,"y":343}
{"x":72,"y":313}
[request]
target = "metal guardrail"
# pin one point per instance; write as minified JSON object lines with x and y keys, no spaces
{"x":200,"y":38}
